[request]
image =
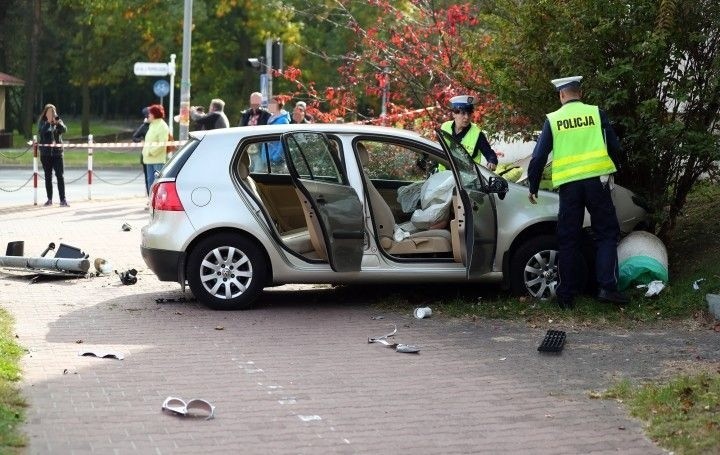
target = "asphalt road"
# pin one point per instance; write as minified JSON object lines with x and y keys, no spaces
{"x":16,"y":186}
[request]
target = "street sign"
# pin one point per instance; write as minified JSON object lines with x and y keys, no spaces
{"x":161,"y":88}
{"x":150,"y":69}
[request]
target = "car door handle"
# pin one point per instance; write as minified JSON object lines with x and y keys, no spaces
{"x":321,"y":200}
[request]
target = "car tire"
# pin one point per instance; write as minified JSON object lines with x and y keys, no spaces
{"x":212,"y":272}
{"x":534,"y":268}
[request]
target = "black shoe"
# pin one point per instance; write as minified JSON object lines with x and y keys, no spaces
{"x":566,"y":303}
{"x":613,"y":297}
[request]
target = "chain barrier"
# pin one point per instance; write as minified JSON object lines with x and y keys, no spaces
{"x":95,"y":175}
{"x":5,"y":155}
{"x":73,"y":181}
{"x":18,"y":188}
{"x":90,"y":145}
{"x":84,"y":174}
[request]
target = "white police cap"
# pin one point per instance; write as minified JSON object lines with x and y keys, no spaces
{"x":565,"y":82}
{"x":462,"y":102}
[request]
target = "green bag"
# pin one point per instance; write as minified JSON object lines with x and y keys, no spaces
{"x":641,"y":270}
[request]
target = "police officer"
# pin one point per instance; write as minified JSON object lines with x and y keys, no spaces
{"x":585,"y":149}
{"x":468,"y":133}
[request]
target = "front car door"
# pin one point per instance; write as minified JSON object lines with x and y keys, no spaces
{"x":480,"y":236}
{"x":315,"y":170}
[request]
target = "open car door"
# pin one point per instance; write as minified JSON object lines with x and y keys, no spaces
{"x":335,"y":212}
{"x":478,"y":234}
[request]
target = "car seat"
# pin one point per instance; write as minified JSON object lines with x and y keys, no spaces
{"x":244,"y":174}
{"x":429,"y":241}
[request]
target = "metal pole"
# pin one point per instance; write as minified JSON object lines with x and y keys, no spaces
{"x":171,"y":107}
{"x":386,"y":83}
{"x":268,"y":64}
{"x":35,"y":169}
{"x":61,"y":264}
{"x":90,"y":166}
{"x":185,"y":80}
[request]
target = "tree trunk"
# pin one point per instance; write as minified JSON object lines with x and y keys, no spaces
{"x":31,"y":73}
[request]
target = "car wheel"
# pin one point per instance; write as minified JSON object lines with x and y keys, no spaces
{"x":534,"y":268}
{"x":226,"y":272}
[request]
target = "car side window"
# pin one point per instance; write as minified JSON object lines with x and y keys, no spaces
{"x":313,"y":156}
{"x":392,"y":161}
{"x":267,"y":157}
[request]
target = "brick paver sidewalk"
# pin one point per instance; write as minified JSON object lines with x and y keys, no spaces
{"x":297,"y":375}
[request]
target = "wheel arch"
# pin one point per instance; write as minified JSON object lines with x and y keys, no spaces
{"x":543,"y":228}
{"x":225,"y":230}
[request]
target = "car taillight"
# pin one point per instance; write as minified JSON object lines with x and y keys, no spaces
{"x":165,"y":197}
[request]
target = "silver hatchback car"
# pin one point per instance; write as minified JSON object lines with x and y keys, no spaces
{"x":240,"y":209}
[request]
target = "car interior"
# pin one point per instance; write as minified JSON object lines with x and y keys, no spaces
{"x":297,"y":226}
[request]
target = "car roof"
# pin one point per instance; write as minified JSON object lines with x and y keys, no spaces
{"x":328,"y":128}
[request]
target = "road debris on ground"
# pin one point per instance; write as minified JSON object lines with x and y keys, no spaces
{"x":653,"y":288}
{"x":102,"y":354}
{"x":128,"y":277}
{"x":67,"y":259}
{"x":554,"y":341}
{"x":196,"y":407}
{"x":399,"y":347}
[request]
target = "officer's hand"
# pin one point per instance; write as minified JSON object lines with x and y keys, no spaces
{"x":491,"y":166}
{"x":533,"y":198}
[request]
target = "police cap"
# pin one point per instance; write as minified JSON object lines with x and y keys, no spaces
{"x":463,"y":102}
{"x":566,"y":82}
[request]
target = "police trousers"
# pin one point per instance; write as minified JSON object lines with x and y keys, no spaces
{"x":575,"y":197}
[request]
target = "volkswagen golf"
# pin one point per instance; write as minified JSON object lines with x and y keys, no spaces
{"x":237,"y":210}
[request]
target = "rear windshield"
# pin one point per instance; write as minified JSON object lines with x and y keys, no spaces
{"x":172,"y":167}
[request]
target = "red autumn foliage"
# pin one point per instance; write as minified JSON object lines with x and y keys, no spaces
{"x":414,"y":54}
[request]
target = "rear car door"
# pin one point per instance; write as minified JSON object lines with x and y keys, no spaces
{"x":479,"y":238}
{"x":314,"y":167}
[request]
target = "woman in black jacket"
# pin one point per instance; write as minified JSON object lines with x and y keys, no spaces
{"x":50,"y":130}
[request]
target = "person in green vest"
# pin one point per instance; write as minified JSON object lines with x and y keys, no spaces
{"x":468,"y":133}
{"x":585,"y":150}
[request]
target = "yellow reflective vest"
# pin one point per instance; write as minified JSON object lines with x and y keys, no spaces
{"x":468,"y":141}
{"x":579,"y":149}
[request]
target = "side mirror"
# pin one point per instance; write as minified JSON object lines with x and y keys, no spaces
{"x":499,"y":186}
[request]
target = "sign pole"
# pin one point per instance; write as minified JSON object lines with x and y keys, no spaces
{"x":185,"y":80}
{"x":268,"y":64}
{"x":171,"y":107}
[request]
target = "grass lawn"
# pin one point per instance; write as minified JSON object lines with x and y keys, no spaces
{"x":692,"y":255}
{"x":11,"y":402}
{"x":682,"y":415}
{"x":21,"y":155}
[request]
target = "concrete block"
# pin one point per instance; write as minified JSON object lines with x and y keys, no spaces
{"x":713,"y":301}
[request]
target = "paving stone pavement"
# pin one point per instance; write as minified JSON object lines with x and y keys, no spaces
{"x":296,"y":375}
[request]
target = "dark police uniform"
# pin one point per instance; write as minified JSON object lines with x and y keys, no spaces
{"x":472,"y":138}
{"x":584,"y":146}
